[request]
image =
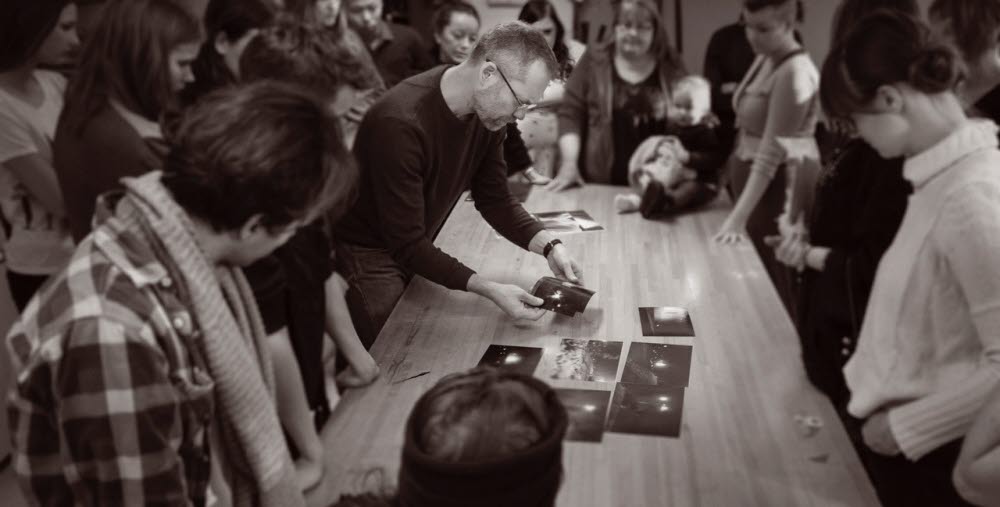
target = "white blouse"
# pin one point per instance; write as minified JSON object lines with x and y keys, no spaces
{"x":929,"y":350}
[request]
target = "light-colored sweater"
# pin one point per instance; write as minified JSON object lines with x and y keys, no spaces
{"x":929,"y":350}
{"x":772,"y":103}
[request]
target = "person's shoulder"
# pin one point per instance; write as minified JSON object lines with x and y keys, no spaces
{"x":80,"y":306}
{"x":405,"y":34}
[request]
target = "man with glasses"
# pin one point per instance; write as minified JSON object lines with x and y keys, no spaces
{"x":419,"y":148}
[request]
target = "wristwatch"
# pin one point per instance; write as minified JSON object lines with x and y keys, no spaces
{"x":548,"y":247}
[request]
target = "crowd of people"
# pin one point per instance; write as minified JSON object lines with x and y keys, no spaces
{"x":204,"y":232}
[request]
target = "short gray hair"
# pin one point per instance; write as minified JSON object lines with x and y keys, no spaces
{"x":515,"y":45}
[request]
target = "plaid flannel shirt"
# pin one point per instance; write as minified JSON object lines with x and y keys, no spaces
{"x":112,"y":404}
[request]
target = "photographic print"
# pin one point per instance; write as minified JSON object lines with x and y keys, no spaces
{"x":568,"y":221}
{"x":586,"y":409}
{"x":646,"y":410}
{"x":512,"y":358}
{"x":665,"y":321}
{"x":587,"y":360}
{"x":658,"y":364}
{"x":561,"y":296}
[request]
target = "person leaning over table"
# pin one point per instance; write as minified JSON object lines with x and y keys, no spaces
{"x":444,"y":126}
{"x":143,"y":375}
{"x":483,"y":438}
{"x":617,"y":96}
{"x":929,"y":351}
{"x":776,"y":99}
{"x":456,"y":29}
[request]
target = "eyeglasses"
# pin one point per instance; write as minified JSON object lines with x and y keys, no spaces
{"x":520,"y":104}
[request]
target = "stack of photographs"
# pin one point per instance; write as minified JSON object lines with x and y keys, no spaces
{"x":568,"y":221}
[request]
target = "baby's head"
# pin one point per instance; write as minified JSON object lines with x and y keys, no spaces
{"x":692,"y":100}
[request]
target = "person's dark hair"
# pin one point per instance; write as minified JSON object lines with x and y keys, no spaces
{"x":127,"y":59}
{"x":473,"y":435}
{"x":24,"y":26}
{"x":232,"y":19}
{"x":536,"y":10}
{"x":796,"y":9}
{"x":517,"y":46}
{"x":884,"y":48}
{"x":265,"y":148}
{"x":443,"y":12}
{"x":302,"y":54}
{"x":850,"y":11}
{"x":662,"y":49}
{"x":974,"y":25}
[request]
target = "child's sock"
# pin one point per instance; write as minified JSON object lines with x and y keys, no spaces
{"x":627,"y":203}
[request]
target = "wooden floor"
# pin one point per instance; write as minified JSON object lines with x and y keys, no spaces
{"x":740,"y":443}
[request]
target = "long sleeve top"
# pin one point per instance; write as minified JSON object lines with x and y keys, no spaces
{"x":929,"y":350}
{"x":775,"y":102}
{"x":416,"y":158}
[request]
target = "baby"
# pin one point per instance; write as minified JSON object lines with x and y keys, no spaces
{"x":679,"y":170}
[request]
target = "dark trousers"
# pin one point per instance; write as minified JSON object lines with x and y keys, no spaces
{"x":375,"y":281}
{"x":762,"y":223}
{"x":904,"y":483}
{"x":23,"y":287}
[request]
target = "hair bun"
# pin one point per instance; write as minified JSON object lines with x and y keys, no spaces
{"x":935,"y":69}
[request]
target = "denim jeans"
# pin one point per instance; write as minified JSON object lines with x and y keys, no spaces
{"x":375,"y":281}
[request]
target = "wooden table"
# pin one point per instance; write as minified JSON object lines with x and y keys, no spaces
{"x":739,"y":445}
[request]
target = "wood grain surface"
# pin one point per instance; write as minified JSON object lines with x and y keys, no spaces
{"x":740,"y":444}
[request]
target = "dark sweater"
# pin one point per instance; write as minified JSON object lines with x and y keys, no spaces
{"x":707,"y":153}
{"x":400,"y":54}
{"x":289,"y":287}
{"x":90,"y":161}
{"x":860,"y":202}
{"x":416,"y":158}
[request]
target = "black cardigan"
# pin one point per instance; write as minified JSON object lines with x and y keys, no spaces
{"x":860,"y":202}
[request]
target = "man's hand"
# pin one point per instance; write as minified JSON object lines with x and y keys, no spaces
{"x":563,"y":265}
{"x":513,"y":300}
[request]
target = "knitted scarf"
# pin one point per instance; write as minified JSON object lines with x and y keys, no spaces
{"x":233,"y":343}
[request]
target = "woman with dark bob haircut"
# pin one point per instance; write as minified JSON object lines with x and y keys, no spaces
{"x":929,"y":350}
{"x":484,"y":437}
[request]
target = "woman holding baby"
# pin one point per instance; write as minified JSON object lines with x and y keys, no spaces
{"x":773,"y":168}
{"x":617,"y":96}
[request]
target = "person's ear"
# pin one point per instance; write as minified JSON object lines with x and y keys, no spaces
{"x":487,"y":73}
{"x":253,"y":226}
{"x":888,"y":99}
{"x":221,"y":43}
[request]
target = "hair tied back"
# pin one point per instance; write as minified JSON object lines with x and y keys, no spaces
{"x":935,"y":69}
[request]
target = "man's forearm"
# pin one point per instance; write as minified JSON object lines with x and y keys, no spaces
{"x":539,"y":240}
